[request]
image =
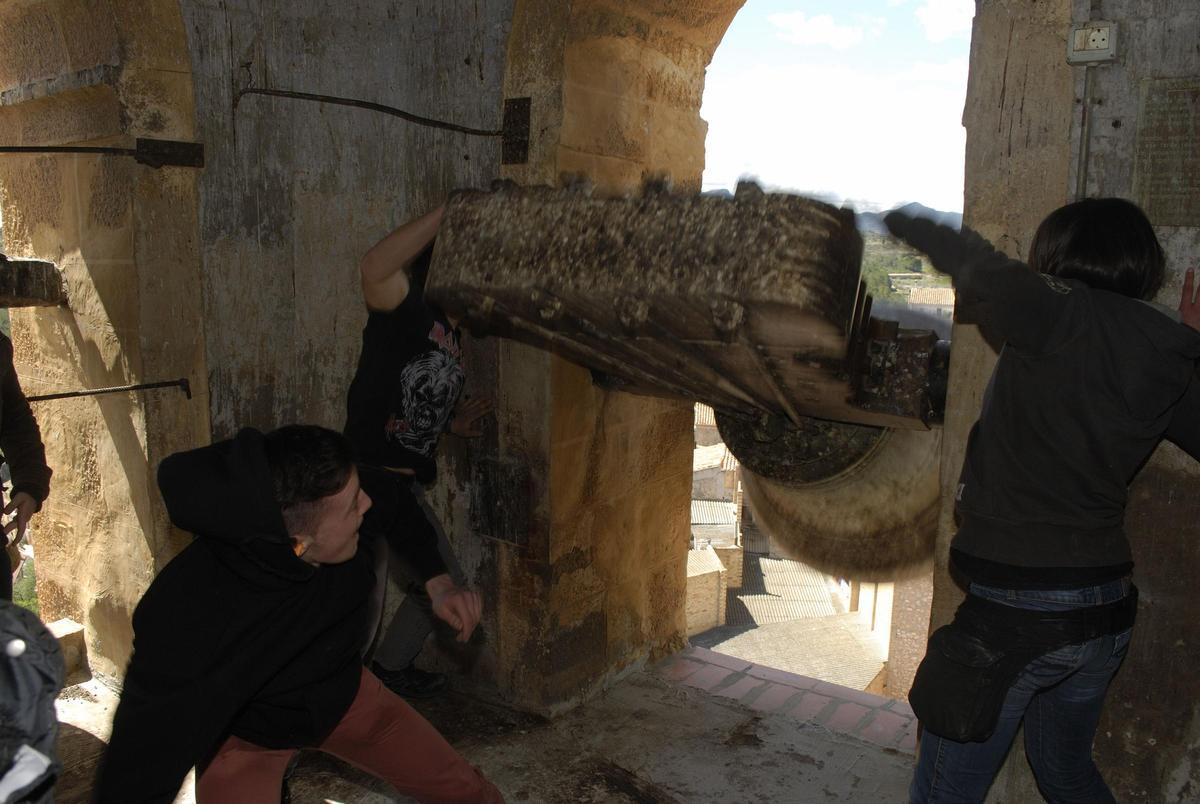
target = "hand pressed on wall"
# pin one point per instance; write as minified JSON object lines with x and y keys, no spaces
{"x":467,"y":415}
{"x":1189,"y":307}
{"x":459,"y":607}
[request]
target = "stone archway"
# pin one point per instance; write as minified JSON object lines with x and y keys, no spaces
{"x":123,"y":235}
{"x":616,"y":89}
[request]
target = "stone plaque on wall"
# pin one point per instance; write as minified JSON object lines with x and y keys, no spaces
{"x":1167,"y":166}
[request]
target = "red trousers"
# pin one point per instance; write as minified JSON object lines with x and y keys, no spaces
{"x":380,"y":734}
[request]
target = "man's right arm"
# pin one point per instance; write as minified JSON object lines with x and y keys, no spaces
{"x":1004,"y":295}
{"x":384,"y":269}
{"x":167,"y":718}
{"x":153,"y":745}
{"x":20,"y":438}
{"x":1184,"y":429}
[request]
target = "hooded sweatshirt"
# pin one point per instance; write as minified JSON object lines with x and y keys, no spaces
{"x":20,"y":438}
{"x":1087,"y":384}
{"x":236,"y":635}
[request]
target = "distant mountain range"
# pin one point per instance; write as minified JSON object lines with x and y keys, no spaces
{"x":873,"y":221}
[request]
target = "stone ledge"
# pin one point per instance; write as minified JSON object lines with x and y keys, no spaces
{"x":30,"y":283}
{"x":74,"y":651}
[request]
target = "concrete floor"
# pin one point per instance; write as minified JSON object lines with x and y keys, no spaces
{"x":839,"y":648}
{"x":649,"y":740}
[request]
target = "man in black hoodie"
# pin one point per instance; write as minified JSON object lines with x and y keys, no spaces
{"x":248,"y":645}
{"x":21,"y":443}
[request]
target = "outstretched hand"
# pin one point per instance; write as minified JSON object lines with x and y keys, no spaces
{"x":24,"y":506}
{"x":948,"y":249}
{"x":1189,"y":307}
{"x":460,"y":608}
{"x":467,"y":415}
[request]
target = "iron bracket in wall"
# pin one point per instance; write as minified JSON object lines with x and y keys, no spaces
{"x":514,"y":147}
{"x":514,"y":132}
{"x":152,"y":153}
{"x":182,"y":384}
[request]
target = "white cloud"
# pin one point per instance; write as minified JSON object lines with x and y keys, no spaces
{"x":946,"y":19}
{"x":868,"y":135}
{"x":874,"y":25}
{"x":799,"y":28}
{"x":952,"y":72}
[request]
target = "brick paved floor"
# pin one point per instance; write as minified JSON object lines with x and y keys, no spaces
{"x":885,"y":722}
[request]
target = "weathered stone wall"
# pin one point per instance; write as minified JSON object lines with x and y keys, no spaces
{"x":909,"y":631}
{"x":875,"y":608}
{"x":101,"y":72}
{"x":294,"y":192}
{"x":712,"y":483}
{"x":1018,"y":116}
{"x":706,"y":586}
{"x":616,"y":94}
{"x":1024,"y":135}
{"x":707,"y":435}
{"x":733,"y":560}
{"x":242,"y":277}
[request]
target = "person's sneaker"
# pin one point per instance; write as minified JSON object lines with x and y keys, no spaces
{"x":410,"y":682}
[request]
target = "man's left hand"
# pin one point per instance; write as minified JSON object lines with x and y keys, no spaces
{"x":459,"y":607}
{"x":24,"y":507}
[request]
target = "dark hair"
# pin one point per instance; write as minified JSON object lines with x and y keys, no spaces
{"x":1106,"y":243}
{"x":308,"y":464}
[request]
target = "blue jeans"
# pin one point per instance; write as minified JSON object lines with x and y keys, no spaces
{"x":1059,"y":695}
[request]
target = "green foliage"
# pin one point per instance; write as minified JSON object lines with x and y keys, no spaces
{"x":25,"y":588}
{"x":883,"y":256}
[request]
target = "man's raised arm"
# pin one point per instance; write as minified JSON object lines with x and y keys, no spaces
{"x":384,"y":269}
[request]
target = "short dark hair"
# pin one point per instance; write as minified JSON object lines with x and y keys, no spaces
{"x":308,"y":463}
{"x":1106,"y":243}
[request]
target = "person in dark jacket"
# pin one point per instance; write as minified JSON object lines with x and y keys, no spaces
{"x":248,"y":645}
{"x":1090,"y":379}
{"x":404,"y":395}
{"x":31,"y":676}
{"x":21,"y":443}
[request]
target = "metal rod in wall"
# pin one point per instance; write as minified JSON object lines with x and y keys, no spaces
{"x":371,"y":105}
{"x":182,"y":384}
{"x":1085,"y":133}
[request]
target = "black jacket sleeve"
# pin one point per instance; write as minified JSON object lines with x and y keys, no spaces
{"x":169,"y":716}
{"x":399,"y":518}
{"x":1184,"y":429}
{"x":420,"y":546}
{"x":1024,"y":308}
{"x":20,"y":438}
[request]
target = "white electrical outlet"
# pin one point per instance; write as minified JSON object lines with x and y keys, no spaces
{"x":1092,"y":42}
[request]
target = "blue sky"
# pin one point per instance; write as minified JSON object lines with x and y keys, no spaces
{"x":857,"y":101}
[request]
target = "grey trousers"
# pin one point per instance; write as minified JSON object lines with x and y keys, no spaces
{"x":404,"y":636}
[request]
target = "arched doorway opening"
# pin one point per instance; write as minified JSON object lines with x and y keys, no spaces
{"x":862,"y":110}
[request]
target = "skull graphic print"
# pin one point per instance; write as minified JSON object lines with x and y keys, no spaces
{"x":429,"y":387}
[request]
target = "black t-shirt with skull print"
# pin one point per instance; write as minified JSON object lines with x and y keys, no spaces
{"x":408,"y":381}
